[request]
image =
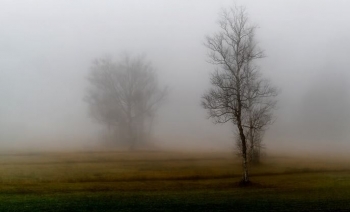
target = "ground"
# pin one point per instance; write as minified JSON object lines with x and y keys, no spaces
{"x":170,"y":181}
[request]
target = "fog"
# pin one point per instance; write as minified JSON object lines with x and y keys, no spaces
{"x":47,"y":47}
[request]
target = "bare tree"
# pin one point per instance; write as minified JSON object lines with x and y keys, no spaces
{"x":124,"y":96}
{"x":238,"y":95}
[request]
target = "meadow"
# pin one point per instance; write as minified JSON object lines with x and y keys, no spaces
{"x":170,"y":181}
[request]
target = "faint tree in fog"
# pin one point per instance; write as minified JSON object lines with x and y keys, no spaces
{"x":239,"y":95}
{"x":124,"y":96}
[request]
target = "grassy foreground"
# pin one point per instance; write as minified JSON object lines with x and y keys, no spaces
{"x":165,"y":181}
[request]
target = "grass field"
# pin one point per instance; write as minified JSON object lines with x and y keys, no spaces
{"x":168,"y":181}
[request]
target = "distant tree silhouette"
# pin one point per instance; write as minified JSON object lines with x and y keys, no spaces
{"x":124,"y":96}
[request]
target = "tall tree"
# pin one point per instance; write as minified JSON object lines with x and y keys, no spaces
{"x":238,"y":95}
{"x":124,"y":96}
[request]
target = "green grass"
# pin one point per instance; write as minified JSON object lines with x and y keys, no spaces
{"x":166,"y":181}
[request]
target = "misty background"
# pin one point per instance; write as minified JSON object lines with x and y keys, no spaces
{"x":47,"y":47}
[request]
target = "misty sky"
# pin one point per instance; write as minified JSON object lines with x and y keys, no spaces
{"x":46,"y":49}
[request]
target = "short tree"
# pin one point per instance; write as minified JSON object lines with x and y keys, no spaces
{"x":124,"y":96}
{"x":238,"y":95}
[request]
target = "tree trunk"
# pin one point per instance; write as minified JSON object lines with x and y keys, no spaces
{"x":245,"y":161}
{"x":141,"y":134}
{"x":131,"y":135}
{"x":131,"y":139}
{"x":245,"y":178}
{"x":252,"y":142}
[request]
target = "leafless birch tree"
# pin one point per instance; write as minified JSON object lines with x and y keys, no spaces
{"x":238,"y":95}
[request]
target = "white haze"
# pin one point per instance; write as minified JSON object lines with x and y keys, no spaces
{"x":46,"y":48}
